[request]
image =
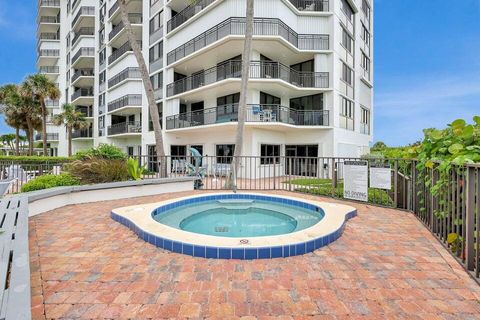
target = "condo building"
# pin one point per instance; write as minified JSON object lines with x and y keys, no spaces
{"x":310,"y":91}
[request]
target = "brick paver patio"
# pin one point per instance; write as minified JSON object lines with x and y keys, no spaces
{"x":385,"y":266}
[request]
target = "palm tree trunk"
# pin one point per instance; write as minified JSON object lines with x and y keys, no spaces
{"x":44,"y":126}
{"x":17,"y":143}
{"x":242,"y":105}
{"x":30,"y":136}
{"x":69,"y":132}
{"x":147,"y":84}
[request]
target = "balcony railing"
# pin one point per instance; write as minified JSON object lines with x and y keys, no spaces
{"x":51,"y":103}
{"x":83,"y":11}
{"x":266,"y":113}
{"x":83,"y":52}
{"x":82,"y":73}
{"x":49,"y":69}
{"x":86,"y":111}
{"x":262,"y":26}
{"x":50,"y":137}
{"x":84,"y":92}
{"x":187,"y":13}
{"x":311,"y":5}
{"x":125,"y":127}
{"x":49,"y":53}
{"x":85,"y":31}
{"x":258,"y":70}
{"x":83,"y":133}
{"x":48,"y":19}
{"x":131,"y":100}
{"x":49,"y":36}
{"x":49,"y":3}
{"x":128,"y":73}
{"x":124,"y":48}
{"x":134,"y":18}
{"x":113,"y":9}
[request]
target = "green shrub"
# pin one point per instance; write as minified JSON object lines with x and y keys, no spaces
{"x":50,"y":181}
{"x":99,"y":170}
{"x":134,"y":169}
{"x":104,"y":151}
{"x":35,"y":159}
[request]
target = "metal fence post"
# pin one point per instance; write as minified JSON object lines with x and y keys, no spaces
{"x":470,"y":221}
{"x":395,"y":183}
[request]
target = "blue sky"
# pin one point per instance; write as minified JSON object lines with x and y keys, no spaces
{"x":427,"y":61}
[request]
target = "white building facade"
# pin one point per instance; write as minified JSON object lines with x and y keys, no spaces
{"x":311,"y":77}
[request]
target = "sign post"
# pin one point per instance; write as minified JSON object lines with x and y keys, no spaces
{"x":355,"y":184}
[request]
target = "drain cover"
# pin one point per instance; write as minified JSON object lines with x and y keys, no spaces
{"x":221,"y":229}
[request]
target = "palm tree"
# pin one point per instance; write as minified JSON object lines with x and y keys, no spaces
{"x":147,"y":84}
{"x":73,"y":120}
{"x":40,"y":88}
{"x":6,"y":101}
{"x":242,"y":105}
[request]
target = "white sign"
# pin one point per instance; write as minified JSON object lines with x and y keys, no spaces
{"x":355,"y":180}
{"x":381,"y":178}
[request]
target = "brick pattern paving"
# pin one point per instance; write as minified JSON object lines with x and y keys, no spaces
{"x":385,"y":266}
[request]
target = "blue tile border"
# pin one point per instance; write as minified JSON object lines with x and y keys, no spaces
{"x":234,"y":253}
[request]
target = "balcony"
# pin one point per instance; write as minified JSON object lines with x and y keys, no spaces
{"x":83,"y":12}
{"x":84,"y":52}
{"x":258,"y":70}
{"x":187,"y":13}
{"x":49,"y":70}
{"x":126,"y":103}
{"x":53,"y":36}
{"x":262,"y":27}
{"x":311,"y":5}
{"x":51,"y":103}
{"x":49,"y":3}
{"x":128,"y":73}
{"x":50,"y":137}
{"x":113,"y":9}
{"x":130,"y":128}
{"x":86,"y":111}
{"x":48,"y":19}
{"x":269,"y":114}
{"x":82,"y":134}
{"x":83,"y":77}
{"x":82,"y":94}
{"x":123,"y":49}
{"x":134,"y":18}
{"x":85,"y":31}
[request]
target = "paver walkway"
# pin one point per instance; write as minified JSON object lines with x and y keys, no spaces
{"x":385,"y":266}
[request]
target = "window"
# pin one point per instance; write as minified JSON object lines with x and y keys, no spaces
{"x":101,"y":37}
{"x":101,"y":125}
{"x":268,"y":99}
{"x":130,"y":151}
{"x":157,"y":81}
{"x":269,"y":153}
{"x":366,"y":66}
{"x":347,"y":74}
{"x":224,"y":152}
{"x":347,"y":40}
{"x":102,"y":78}
{"x":366,"y":10}
{"x":347,"y":114}
{"x":364,"y":120}
{"x":102,"y":56}
{"x":365,"y":35}
{"x":160,"y":116}
{"x":68,"y":41}
{"x":156,"y":52}
{"x":156,"y":23}
{"x":347,"y":9}
{"x":68,"y":77}
{"x":68,"y":59}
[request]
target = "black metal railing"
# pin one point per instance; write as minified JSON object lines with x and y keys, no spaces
{"x":49,"y":53}
{"x":48,"y":19}
{"x":262,"y":26}
{"x":82,"y":73}
{"x":50,"y":137}
{"x":311,"y":5}
{"x":132,"y":100}
{"x":128,"y":73}
{"x":258,"y":70}
{"x":84,"y":31}
{"x":83,"y":11}
{"x":125,"y":127}
{"x":83,"y":92}
{"x":49,"y":69}
{"x":49,"y":36}
{"x":134,"y":18}
{"x":113,"y":9}
{"x":83,"y":52}
{"x":83,"y":133}
{"x":87,"y":111}
{"x":187,"y":13}
{"x":49,"y":3}
{"x":262,"y":113}
{"x":124,"y":48}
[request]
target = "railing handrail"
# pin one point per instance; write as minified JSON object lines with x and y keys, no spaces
{"x":83,"y":73}
{"x":127,"y":100}
{"x":112,"y":9}
{"x":49,"y":36}
{"x":84,"y":51}
{"x":262,"y":26}
{"x":311,"y":5}
{"x":83,"y":133}
{"x":48,"y":19}
{"x":127,"y":73}
{"x":82,"y":92}
{"x":266,"y":113}
{"x":83,"y":11}
{"x":258,"y":70}
{"x":49,"y":69}
{"x":49,"y":3}
{"x":84,"y":31}
{"x":49,"y":53}
{"x":134,"y":18}
{"x":125,"y":127}
{"x":186,"y":14}
{"x":124,"y":48}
